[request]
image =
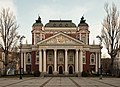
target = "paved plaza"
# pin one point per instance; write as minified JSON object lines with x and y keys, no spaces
{"x":59,"y":82}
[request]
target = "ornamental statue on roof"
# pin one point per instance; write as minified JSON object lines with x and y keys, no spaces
{"x":82,"y":20}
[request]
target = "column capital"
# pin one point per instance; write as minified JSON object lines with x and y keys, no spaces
{"x":66,"y":49}
{"x":77,"y":49}
{"x":40,"y":49}
{"x":44,"y":49}
{"x":81,"y":50}
{"x":55,"y":49}
{"x":96,"y":52}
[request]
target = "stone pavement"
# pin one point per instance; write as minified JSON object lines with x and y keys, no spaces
{"x":59,"y":82}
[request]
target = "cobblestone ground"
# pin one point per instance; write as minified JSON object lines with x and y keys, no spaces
{"x":59,"y":82}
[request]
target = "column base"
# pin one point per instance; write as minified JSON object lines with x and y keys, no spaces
{"x":76,"y":73}
{"x":66,"y":73}
{"x":55,"y":73}
{"x":79,"y":74}
{"x":42,"y":74}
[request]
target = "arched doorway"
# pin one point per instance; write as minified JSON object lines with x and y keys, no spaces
{"x":60,"y":70}
{"x":50,"y":70}
{"x":70,"y":70}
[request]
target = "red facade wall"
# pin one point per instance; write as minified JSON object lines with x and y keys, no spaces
{"x":33,"y":60}
{"x":48,"y":35}
{"x":72,"y":35}
{"x":86,"y":67}
{"x":36,"y":67}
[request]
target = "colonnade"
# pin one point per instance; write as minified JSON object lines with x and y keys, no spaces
{"x":78,"y":60}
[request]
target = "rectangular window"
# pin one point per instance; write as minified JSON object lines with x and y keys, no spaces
{"x":37,"y":57}
{"x":50,"y":57}
{"x":84,"y":57}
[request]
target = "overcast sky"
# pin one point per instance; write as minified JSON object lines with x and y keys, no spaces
{"x":27,"y":11}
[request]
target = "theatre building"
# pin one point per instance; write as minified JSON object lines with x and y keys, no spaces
{"x":60,"y":47}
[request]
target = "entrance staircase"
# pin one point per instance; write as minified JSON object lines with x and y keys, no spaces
{"x":60,"y":75}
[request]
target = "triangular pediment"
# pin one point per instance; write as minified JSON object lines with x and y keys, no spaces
{"x":60,"y":39}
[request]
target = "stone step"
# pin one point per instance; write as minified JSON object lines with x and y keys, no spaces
{"x":60,"y":75}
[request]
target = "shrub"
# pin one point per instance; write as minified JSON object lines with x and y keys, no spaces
{"x":37,"y":73}
{"x":85,"y":74}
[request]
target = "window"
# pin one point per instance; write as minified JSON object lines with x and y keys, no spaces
{"x":60,"y":25}
{"x":37,"y":38}
{"x":50,"y":56}
{"x":66,"y":25}
{"x":71,"y":57}
{"x":54,"y":25}
{"x":83,"y":38}
{"x":92,"y":59}
{"x":28,"y":58}
{"x":60,"y":57}
{"x":84,"y":57}
{"x":37,"y":57}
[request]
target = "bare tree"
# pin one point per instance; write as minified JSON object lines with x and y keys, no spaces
{"x":111,"y":31}
{"x":8,"y":33}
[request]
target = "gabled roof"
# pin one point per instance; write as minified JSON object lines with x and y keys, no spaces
{"x":60,"y":39}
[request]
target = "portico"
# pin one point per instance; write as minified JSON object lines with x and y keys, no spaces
{"x":61,"y":62}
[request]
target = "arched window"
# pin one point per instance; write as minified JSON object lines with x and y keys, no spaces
{"x":28,"y":58}
{"x":92,"y":59}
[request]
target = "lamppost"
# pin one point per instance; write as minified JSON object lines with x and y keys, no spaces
{"x":20,"y":37}
{"x":100,"y":69}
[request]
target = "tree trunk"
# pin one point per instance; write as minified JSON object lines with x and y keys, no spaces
{"x":112,"y":65}
{"x":6,"y":62}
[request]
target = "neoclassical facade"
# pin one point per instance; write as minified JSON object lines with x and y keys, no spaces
{"x":60,"y":47}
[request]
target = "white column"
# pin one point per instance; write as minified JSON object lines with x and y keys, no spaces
{"x":99,"y":60}
{"x":96,"y":63}
{"x":44,"y":51}
{"x":24,"y":61}
{"x":76,"y":61}
{"x":81,"y":61}
{"x":21,"y":59}
{"x":40,"y":60}
{"x":55,"y":60}
{"x":66,"y":61}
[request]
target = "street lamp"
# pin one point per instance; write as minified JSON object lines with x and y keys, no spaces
{"x":100,"y":39}
{"x":20,"y":37}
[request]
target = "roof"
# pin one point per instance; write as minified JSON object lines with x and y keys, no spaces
{"x":60,"y":23}
{"x":38,"y":22}
{"x":82,"y":22}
